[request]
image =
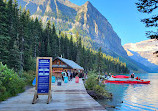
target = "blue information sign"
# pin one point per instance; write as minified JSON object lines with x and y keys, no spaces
{"x":43,"y":75}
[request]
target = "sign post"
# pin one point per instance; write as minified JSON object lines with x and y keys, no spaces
{"x":43,"y":78}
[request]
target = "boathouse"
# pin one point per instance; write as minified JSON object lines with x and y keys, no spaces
{"x":61,"y":64}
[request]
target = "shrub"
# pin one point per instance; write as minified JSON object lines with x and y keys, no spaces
{"x":101,"y":91}
{"x":28,"y":77}
{"x":97,"y":90}
{"x":10,"y":83}
{"x":91,"y":82}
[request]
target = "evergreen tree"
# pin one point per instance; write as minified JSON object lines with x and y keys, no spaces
{"x":36,"y":37}
{"x":14,"y":57}
{"x":79,"y":47}
{"x":10,"y":17}
{"x":99,"y":60}
{"x":3,"y":19}
{"x":47,"y":34}
{"x":22,"y":31}
{"x":4,"y":37}
{"x":4,"y":53}
{"x":54,"y":42}
{"x":61,"y":45}
{"x":82,"y":56}
{"x":65,"y":46}
{"x":42,"y":51}
{"x":49,"y":50}
{"x":149,"y":6}
{"x":71,"y":48}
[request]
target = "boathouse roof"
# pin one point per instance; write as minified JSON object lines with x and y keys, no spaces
{"x":70,"y":63}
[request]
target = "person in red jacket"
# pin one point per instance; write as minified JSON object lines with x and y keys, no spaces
{"x":136,"y":78}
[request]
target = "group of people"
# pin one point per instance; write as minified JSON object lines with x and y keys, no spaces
{"x":106,"y":75}
{"x":72,"y":75}
{"x":132,"y":76}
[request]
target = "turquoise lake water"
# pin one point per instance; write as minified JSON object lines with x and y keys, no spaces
{"x":135,"y":97}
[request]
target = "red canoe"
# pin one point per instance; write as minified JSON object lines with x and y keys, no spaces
{"x":120,"y":76}
{"x":127,"y":82}
{"x":125,"y":79}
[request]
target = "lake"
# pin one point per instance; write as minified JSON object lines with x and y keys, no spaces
{"x":135,"y":97}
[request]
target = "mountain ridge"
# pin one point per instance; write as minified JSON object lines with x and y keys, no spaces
{"x":142,"y":52}
{"x":85,"y":19}
{"x":93,"y":27}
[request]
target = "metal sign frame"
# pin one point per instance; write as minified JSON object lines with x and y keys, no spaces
{"x":37,"y":81}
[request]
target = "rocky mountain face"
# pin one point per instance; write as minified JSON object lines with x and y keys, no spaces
{"x":94,"y":28}
{"x":142,"y":52}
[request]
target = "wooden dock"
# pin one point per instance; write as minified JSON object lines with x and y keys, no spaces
{"x":67,"y":97}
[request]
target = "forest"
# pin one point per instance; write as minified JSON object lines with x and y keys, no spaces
{"x":23,"y":38}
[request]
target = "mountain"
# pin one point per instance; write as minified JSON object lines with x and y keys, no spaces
{"x":92,"y":26}
{"x":142,"y":52}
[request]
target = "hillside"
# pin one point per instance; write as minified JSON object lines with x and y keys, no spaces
{"x":94,"y":28}
{"x":142,"y":52}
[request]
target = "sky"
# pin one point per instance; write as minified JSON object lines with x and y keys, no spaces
{"x":123,"y":16}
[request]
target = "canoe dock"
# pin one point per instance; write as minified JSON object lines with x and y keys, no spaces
{"x":69,"y":96}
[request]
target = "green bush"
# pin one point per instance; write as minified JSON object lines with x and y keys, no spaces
{"x":92,"y":83}
{"x":92,"y":74}
{"x":29,"y":77}
{"x":101,"y":91}
{"x":10,"y":83}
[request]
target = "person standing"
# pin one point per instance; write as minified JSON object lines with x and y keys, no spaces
{"x":105,"y":74}
{"x":69,"y":74}
{"x":73,"y":74}
{"x":86,"y":75}
{"x":132,"y":75}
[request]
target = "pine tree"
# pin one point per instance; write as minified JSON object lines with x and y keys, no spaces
{"x":54,"y":42}
{"x":65,"y":44}
{"x":23,"y":38}
{"x":99,"y":60}
{"x":61,"y":45}
{"x":3,"y":19}
{"x":48,"y":50}
{"x":42,"y":50}
{"x":71,"y":48}
{"x":14,"y":57}
{"x":83,"y":56}
{"x":37,"y":30}
{"x":4,"y":37}
{"x":79,"y":46}
{"x":10,"y":17}
{"x":4,"y":53}
{"x":47,"y":34}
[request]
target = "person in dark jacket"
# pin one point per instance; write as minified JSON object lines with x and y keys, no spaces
{"x":132,"y":75}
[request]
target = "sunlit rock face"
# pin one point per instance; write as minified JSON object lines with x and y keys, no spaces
{"x":143,"y":52}
{"x":94,"y":28}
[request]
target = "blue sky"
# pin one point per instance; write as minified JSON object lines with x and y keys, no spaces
{"x":123,"y":16}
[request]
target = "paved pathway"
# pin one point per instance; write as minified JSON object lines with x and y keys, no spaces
{"x":68,"y":97}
